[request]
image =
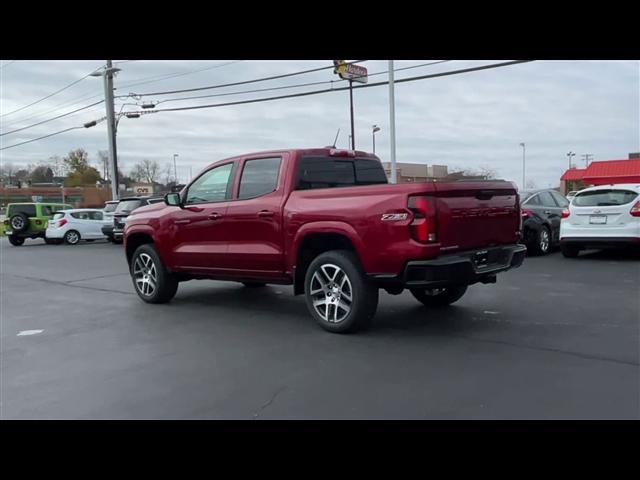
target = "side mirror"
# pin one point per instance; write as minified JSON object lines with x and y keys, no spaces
{"x":173,"y":200}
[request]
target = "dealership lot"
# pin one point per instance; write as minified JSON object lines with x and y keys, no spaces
{"x":557,"y":338}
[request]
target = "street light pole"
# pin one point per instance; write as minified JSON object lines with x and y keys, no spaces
{"x":175,"y":169}
{"x":523,"y":165}
{"x":374,"y":129}
{"x":570,"y":154}
{"x":392,"y":124}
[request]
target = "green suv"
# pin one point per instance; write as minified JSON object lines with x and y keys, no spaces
{"x":29,"y":220}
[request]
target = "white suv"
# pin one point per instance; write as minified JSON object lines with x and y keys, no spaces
{"x":603,"y":216}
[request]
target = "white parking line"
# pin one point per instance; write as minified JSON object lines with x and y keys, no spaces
{"x":29,"y":332}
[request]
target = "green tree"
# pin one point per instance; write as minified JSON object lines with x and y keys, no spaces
{"x":80,"y":172}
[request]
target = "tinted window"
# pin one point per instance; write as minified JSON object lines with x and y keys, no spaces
{"x":560,"y":200}
{"x":259,"y":177}
{"x":328,"y":172}
{"x":96,"y":216}
{"x":533,"y":200}
{"x":110,"y":207}
{"x":547,"y":200}
{"x":604,"y":198}
{"x":369,"y":172}
{"x":80,"y":215}
{"x":28,"y":210}
{"x":212,"y":186}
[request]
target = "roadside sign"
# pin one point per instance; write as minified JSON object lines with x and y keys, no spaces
{"x":351,"y":71}
{"x":36,"y":198}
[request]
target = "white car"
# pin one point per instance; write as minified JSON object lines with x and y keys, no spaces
{"x":600,"y":217}
{"x":109,"y":209}
{"x":71,"y":226}
{"x":569,"y":196}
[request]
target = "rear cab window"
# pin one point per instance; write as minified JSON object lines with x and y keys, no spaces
{"x":329,"y":172}
{"x":604,"y":198}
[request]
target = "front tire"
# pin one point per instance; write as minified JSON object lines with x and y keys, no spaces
{"x":151,"y":280}
{"x":72,"y":237}
{"x":338,"y":294}
{"x":15,"y":241}
{"x":439,"y":297}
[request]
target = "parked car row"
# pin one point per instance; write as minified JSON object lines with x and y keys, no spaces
{"x":61,"y":223}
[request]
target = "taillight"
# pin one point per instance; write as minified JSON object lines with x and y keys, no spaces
{"x":526,"y":213}
{"x":62,"y":223}
{"x":423,"y":228}
{"x":565,"y":213}
{"x":635,"y":210}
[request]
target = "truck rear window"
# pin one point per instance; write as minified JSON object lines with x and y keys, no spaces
{"x":329,"y":172}
{"x":604,"y":198}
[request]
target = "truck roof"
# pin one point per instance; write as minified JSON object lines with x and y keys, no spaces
{"x":328,"y":151}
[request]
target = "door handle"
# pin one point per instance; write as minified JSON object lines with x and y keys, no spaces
{"x":215,"y":216}
{"x":181,"y":222}
{"x":266,"y":213}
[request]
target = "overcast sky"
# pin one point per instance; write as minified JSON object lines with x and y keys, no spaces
{"x":467,"y":120}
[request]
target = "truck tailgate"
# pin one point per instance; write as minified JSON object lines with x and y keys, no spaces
{"x":477,"y":214}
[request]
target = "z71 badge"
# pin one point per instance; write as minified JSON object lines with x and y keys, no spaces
{"x":394,"y":217}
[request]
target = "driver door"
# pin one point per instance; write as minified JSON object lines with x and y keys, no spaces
{"x":199,"y":240}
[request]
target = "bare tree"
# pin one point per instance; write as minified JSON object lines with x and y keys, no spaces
{"x":146,"y":171}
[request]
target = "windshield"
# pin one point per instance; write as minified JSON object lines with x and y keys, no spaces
{"x":110,"y":207}
{"x":127,"y":205}
{"x":604,"y":198}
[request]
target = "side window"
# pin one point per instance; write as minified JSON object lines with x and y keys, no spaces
{"x":533,"y":200}
{"x":370,"y":172}
{"x":76,"y":215}
{"x":95,"y":215}
{"x":323,"y":172}
{"x":560,"y":200}
{"x":46,"y":210}
{"x":259,"y":177}
{"x":547,"y":200}
{"x":212,"y":186}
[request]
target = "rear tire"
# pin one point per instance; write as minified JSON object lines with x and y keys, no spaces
{"x":151,"y":280}
{"x":72,"y":237}
{"x":570,"y":251}
{"x":338,"y":293}
{"x":439,"y":297}
{"x":15,"y":241}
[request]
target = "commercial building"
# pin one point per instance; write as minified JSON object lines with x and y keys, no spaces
{"x":416,"y":172}
{"x":602,"y":172}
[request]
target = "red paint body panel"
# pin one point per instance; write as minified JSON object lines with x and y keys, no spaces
{"x":246,"y":242}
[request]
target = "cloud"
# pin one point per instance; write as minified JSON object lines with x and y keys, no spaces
{"x":472,"y":119}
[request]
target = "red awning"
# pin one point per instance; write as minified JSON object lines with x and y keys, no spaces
{"x":573,"y":174}
{"x":606,"y":171}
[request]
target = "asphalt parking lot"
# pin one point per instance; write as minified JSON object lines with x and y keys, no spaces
{"x":557,"y":338}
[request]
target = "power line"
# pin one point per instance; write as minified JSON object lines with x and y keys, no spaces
{"x":40,"y":138}
{"x":299,"y":85}
{"x":50,"y":95}
{"x":317,"y":92}
{"x":159,"y":78}
{"x":275,"y":77}
{"x":51,"y":119}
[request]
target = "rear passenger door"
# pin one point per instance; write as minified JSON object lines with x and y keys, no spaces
{"x":552,"y":212}
{"x":253,"y":222}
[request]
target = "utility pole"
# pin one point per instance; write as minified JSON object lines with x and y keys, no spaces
{"x":392,"y":123}
{"x":523,"y":165}
{"x":587,"y":158}
{"x":353,"y":138}
{"x":107,"y":74}
{"x":175,"y":169}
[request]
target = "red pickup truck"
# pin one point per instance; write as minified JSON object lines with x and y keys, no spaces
{"x":327,"y":222}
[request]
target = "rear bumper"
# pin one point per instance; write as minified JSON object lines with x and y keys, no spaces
{"x":600,"y":242}
{"x":107,"y":230}
{"x":465,"y":268}
{"x":54,"y":233}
